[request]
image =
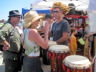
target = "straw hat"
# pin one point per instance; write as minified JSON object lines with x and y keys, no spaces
{"x":30,"y":17}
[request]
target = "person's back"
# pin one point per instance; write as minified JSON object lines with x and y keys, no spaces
{"x":31,"y":47}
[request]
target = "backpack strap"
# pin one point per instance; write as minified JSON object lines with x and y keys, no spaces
{"x":11,"y":34}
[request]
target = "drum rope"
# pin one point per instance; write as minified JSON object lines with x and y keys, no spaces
{"x":76,"y":69}
{"x":84,"y":69}
{"x":57,"y":62}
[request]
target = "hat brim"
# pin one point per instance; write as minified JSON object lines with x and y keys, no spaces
{"x":14,"y":15}
{"x":30,"y":23}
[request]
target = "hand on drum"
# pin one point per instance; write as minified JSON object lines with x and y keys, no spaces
{"x":46,"y":27}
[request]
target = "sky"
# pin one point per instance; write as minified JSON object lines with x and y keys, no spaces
{"x":8,"y":5}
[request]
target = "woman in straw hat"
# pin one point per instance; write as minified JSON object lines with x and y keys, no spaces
{"x":32,"y":41}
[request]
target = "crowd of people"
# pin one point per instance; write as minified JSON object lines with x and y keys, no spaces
{"x":15,"y":38}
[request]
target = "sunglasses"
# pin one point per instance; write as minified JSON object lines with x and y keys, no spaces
{"x":18,"y":17}
{"x":56,"y":11}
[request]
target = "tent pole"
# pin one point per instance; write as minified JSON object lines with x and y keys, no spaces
{"x":31,"y":7}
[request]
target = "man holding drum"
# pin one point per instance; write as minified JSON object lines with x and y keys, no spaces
{"x":60,"y":27}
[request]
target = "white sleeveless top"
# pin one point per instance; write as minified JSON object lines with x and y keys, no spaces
{"x":31,"y":47}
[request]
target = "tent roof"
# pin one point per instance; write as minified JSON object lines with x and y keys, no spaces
{"x":64,"y":0}
{"x":43,"y":11}
{"x":79,"y":4}
{"x":43,"y":6}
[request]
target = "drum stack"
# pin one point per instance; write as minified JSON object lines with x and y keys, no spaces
{"x":56,"y":54}
{"x":76,"y":63}
{"x":62,"y":61}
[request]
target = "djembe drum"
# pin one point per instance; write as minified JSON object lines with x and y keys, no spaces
{"x":56,"y":54}
{"x":76,"y":63}
{"x":51,"y":43}
{"x":46,"y":60}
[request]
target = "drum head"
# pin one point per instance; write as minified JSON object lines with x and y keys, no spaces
{"x":52,"y":43}
{"x":77,"y":61}
{"x":59,"y":48}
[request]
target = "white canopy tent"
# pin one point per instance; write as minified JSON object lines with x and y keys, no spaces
{"x":47,"y":4}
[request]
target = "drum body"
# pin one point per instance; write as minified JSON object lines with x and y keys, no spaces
{"x":76,"y":63}
{"x":56,"y":54}
{"x":46,"y":60}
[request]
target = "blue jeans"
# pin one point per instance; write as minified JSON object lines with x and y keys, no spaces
{"x":31,"y":64}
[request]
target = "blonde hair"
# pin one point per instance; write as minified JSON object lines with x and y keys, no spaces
{"x":64,"y":8}
{"x":72,"y":30}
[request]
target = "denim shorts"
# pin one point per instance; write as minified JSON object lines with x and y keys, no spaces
{"x":31,"y":64}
